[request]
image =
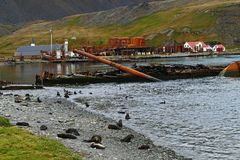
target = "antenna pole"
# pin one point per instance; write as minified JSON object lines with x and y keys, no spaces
{"x":51,"y":37}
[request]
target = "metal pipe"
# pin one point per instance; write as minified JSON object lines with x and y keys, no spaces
{"x":116,"y":65}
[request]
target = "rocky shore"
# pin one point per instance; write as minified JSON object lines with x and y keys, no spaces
{"x":51,"y":116}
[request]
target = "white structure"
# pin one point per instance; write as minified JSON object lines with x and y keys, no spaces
{"x":66,"y":46}
{"x":196,"y":46}
{"x":219,"y":48}
{"x":58,"y":54}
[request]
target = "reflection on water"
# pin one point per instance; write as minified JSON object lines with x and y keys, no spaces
{"x":25,"y":73}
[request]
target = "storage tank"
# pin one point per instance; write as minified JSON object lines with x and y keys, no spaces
{"x":138,"y":42}
{"x":118,"y":42}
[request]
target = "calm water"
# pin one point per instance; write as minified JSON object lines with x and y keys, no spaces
{"x":25,"y":73}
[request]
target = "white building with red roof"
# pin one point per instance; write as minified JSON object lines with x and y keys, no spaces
{"x":196,"y":46}
{"x":219,"y":48}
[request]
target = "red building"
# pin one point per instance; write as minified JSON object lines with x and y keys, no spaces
{"x":126,"y":42}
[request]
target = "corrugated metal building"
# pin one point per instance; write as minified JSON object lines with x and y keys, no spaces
{"x":30,"y":51}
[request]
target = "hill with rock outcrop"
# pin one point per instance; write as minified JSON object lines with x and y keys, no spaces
{"x":14,"y":13}
{"x":160,"y":22}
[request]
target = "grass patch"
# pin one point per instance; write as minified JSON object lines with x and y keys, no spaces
{"x":16,"y":143}
{"x":4,"y":122}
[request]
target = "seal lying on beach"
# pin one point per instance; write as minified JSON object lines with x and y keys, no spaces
{"x":97,"y":146}
{"x":95,"y":139}
{"x":144,"y":147}
{"x":22,"y":124}
{"x":72,"y":131}
{"x":128,"y":138}
{"x":66,"y":136}
{"x":118,"y":126}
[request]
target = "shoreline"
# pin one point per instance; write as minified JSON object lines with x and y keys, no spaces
{"x":59,"y":114}
{"x":138,"y":58}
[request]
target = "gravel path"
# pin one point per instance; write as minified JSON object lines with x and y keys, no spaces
{"x":58,"y":115}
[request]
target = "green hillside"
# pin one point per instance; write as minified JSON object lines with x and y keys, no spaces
{"x":193,"y":21}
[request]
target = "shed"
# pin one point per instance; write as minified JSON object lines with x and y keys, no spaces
{"x":30,"y":51}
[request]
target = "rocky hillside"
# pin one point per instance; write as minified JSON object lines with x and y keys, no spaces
{"x":160,"y":22}
{"x":19,"y":11}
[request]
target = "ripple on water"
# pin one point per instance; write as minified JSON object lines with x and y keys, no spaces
{"x":199,"y":119}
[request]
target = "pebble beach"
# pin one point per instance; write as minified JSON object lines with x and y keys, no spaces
{"x":59,"y":114}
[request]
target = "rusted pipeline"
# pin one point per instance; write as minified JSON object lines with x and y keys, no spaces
{"x":116,"y":65}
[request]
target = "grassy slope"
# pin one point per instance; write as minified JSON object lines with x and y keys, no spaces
{"x":197,"y":17}
{"x":16,"y":143}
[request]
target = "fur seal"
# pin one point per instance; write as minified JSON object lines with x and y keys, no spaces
{"x":27,"y":97}
{"x":87,"y":104}
{"x":121,"y":112}
{"x":43,"y":128}
{"x":97,"y":146}
{"x":127,"y":117}
{"x":95,"y":139}
{"x":118,"y":126}
{"x":66,"y":136}
{"x":144,"y":147}
{"x":114,"y":127}
{"x":72,"y":131}
{"x":66,"y":95}
{"x":163,"y":102}
{"x":58,"y":94}
{"x":128,"y":138}
{"x":22,"y":124}
{"x":38,"y":99}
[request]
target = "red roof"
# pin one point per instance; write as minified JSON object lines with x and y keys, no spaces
{"x":219,"y":46}
{"x":193,"y":44}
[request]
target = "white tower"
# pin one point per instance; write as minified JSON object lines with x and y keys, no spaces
{"x":66,"y":46}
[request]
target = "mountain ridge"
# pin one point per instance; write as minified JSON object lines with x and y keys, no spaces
{"x":18,"y":11}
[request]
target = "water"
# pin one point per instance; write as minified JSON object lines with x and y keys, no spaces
{"x":25,"y":73}
{"x":200,"y":117}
